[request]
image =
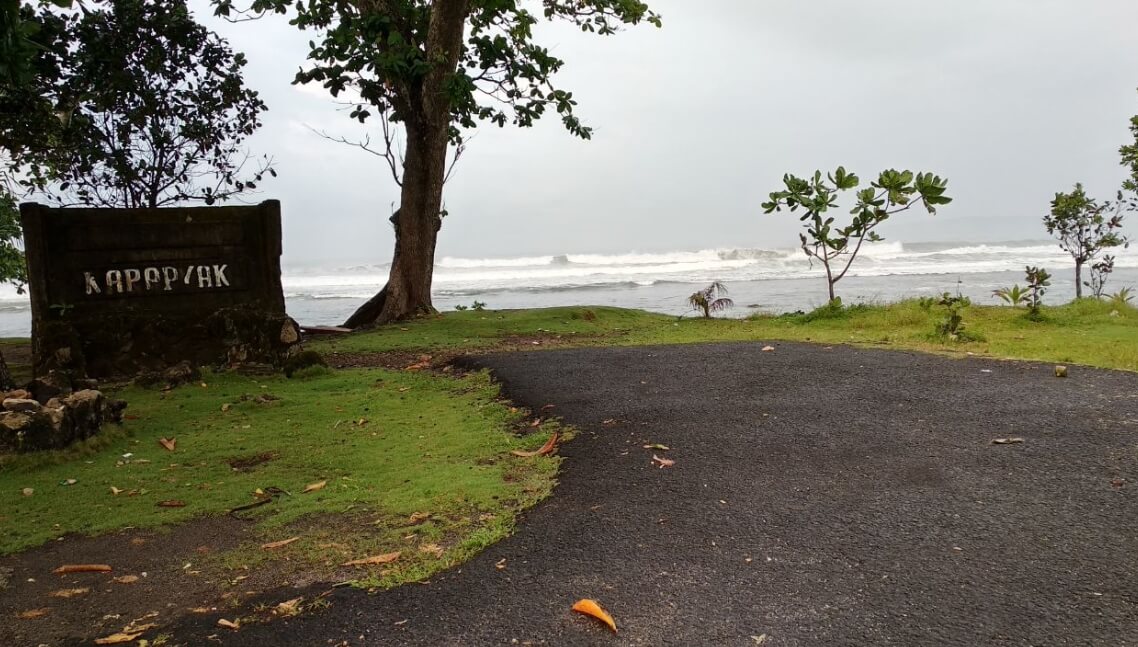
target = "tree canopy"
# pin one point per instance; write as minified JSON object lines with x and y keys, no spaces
{"x":1130,"y":158}
{"x":388,"y":52}
{"x":132,"y":105}
{"x":893,"y":192}
{"x":436,"y":69}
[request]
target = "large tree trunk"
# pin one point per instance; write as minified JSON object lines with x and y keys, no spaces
{"x":6,"y":381}
{"x":417,"y":222}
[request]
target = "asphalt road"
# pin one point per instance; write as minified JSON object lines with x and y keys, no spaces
{"x":819,"y":496}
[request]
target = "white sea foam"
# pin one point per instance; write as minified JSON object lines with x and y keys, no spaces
{"x":632,"y":270}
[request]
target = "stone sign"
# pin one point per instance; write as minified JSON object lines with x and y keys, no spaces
{"x":122,"y":291}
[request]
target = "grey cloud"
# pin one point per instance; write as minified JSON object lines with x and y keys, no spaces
{"x":695,"y":123}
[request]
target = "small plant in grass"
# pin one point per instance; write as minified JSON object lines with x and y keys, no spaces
{"x":1038,"y":279}
{"x":305,"y":364}
{"x":952,"y":326}
{"x":836,"y":247}
{"x":1014,"y":296}
{"x":711,"y":299}
{"x":1122,"y":298}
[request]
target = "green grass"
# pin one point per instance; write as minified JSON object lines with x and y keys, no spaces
{"x":1085,"y":332}
{"x":388,"y":444}
{"x":391,"y":444}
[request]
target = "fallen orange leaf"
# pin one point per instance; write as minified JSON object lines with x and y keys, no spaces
{"x":126,"y":579}
{"x":82,"y":568}
{"x":547,"y":448}
{"x":312,"y":487}
{"x":664,"y":462}
{"x":228,"y":624}
{"x":279,"y":544}
{"x":591,"y":608}
{"x":33,"y":614}
{"x":386,"y":558}
{"x":168,"y":443}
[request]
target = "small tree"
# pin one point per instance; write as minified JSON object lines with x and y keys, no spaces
{"x":837,"y":247}
{"x":1084,"y":228}
{"x":1038,"y":279}
{"x":132,"y":105}
{"x":711,"y":299}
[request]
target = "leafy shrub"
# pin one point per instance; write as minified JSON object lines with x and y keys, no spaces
{"x":1038,"y":279}
{"x":952,"y":326}
{"x":711,"y":299}
{"x":305,"y":359}
{"x":1014,"y":296}
{"x":1122,"y":298}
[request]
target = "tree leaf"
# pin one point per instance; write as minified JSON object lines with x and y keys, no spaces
{"x":279,"y":544}
{"x":119,"y":638}
{"x":314,"y":487}
{"x":545,"y":449}
{"x":82,"y":568}
{"x":386,"y":558}
{"x":593,"y":609}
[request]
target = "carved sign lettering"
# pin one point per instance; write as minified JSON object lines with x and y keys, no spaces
{"x":155,"y":278}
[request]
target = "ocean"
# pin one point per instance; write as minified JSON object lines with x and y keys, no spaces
{"x":758,"y":280}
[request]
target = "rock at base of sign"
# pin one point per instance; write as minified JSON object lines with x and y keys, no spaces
{"x":290,"y":332}
{"x":57,"y":423}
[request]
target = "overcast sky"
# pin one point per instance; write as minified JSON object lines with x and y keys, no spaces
{"x":1012,"y":100}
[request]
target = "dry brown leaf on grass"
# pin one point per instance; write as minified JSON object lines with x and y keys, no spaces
{"x":547,"y":448}
{"x":169,"y":443}
{"x":386,"y":558}
{"x":419,"y":517}
{"x":432,"y":549}
{"x":27,"y":491}
{"x":69,"y":593}
{"x":313,"y":487}
{"x":115,"y":491}
{"x":126,"y":579}
{"x":172,"y":503}
{"x":593,"y":609}
{"x":32,"y":614}
{"x":289,"y":607}
{"x":664,"y":462}
{"x":82,"y":568}
{"x":222,"y":622}
{"x":119,"y":638}
{"x":279,"y":544}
